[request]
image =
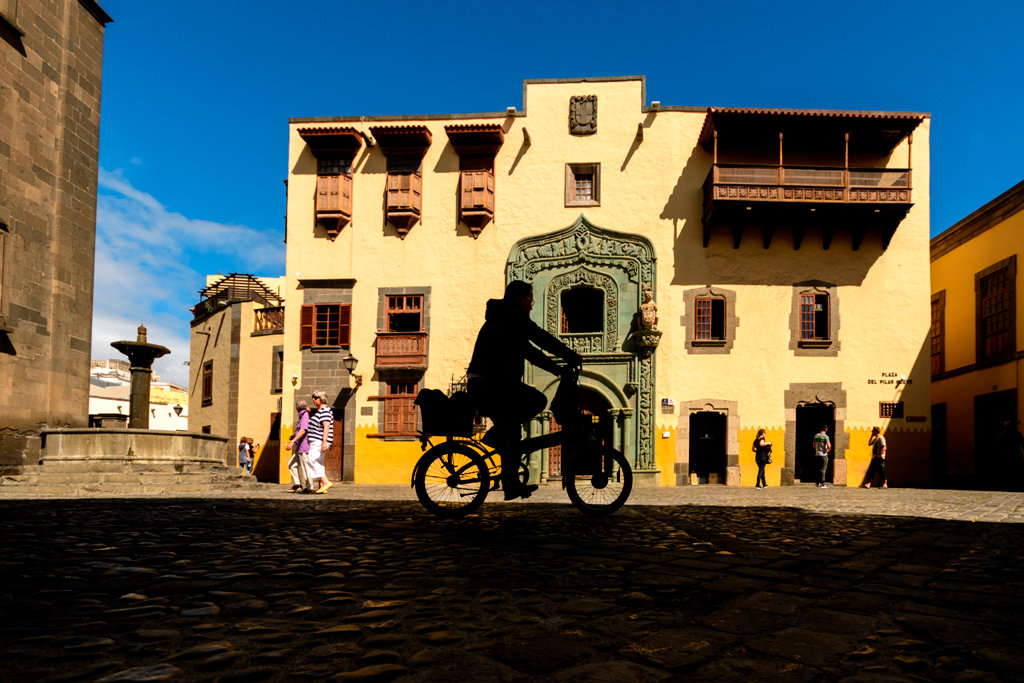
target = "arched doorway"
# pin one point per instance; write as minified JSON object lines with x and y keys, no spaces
{"x":593,"y":404}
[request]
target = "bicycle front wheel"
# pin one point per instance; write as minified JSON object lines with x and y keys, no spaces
{"x":452,"y":480}
{"x":598,"y":480}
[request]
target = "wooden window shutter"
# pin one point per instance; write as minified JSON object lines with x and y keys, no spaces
{"x":478,"y":190}
{"x":328,"y":197}
{"x":415,"y":190}
{"x":345,"y":325}
{"x":399,"y":191}
{"x":345,"y":194}
{"x":306,"y":324}
{"x":277,"y":370}
{"x":807,"y":316}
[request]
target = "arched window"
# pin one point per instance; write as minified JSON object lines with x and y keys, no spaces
{"x":582,"y":310}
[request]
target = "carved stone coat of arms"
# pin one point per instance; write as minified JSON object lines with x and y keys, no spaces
{"x":583,"y":115}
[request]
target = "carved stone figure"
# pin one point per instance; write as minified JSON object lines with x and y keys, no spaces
{"x":648,"y":312}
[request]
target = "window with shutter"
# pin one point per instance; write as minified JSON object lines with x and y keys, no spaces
{"x":277,"y":370}
{"x":938,"y":332}
{"x":814,"y":320}
{"x":207,"y":383}
{"x":400,"y":409}
{"x":325,"y":325}
{"x":814,"y":313}
{"x":996,"y":309}
{"x":710,"y":319}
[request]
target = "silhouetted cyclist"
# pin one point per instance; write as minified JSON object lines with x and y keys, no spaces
{"x":507,"y":339}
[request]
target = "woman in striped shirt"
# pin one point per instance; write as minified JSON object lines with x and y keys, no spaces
{"x":321,"y":434}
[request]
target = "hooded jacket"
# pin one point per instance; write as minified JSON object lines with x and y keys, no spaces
{"x":508,"y":338}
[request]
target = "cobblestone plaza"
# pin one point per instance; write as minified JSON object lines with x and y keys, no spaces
{"x":707,"y":583}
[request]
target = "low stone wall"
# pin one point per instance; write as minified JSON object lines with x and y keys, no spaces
{"x":135,"y":446}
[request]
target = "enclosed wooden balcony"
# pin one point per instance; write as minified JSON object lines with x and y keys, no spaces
{"x":850,"y":182}
{"x":401,"y":351}
{"x":476,"y":145}
{"x":404,"y":147}
{"x":334,"y":148}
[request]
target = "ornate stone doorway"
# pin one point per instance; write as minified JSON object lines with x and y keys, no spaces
{"x":588,"y":283}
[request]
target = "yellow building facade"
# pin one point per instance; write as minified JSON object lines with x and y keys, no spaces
{"x":236,"y":365}
{"x":976,"y":350}
{"x":785,"y":250}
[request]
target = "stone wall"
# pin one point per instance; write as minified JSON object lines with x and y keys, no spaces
{"x":51,"y":58}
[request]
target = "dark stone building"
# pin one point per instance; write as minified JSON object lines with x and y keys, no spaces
{"x":51,"y":63}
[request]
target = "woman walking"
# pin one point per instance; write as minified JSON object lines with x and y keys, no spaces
{"x":762,"y":456}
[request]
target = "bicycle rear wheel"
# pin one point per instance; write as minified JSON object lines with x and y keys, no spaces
{"x":598,"y":479}
{"x":452,"y":480}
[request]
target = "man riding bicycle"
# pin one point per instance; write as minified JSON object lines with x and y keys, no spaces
{"x":507,"y":339}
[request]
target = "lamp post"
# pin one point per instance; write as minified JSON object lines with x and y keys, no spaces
{"x":350,"y":363}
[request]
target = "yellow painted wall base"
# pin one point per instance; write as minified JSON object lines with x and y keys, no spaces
{"x":665,"y":456}
{"x":384,"y":462}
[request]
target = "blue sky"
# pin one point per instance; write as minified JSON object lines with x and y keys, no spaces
{"x":197,"y":96}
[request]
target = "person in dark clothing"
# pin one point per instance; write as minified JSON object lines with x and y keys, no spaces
{"x":507,"y":339}
{"x":762,"y":448}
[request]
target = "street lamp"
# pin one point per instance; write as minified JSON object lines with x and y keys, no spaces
{"x":350,"y":363}
{"x":178,"y":409}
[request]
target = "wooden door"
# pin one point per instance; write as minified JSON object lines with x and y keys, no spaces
{"x":333,"y":460}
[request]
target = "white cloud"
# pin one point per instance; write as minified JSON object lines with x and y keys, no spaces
{"x":150,"y":262}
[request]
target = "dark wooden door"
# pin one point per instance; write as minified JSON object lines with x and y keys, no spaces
{"x":993,"y":414}
{"x":268,"y":465}
{"x":333,"y":461}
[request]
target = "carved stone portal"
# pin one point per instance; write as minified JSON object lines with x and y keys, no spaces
{"x":583,"y":115}
{"x":622,"y":266}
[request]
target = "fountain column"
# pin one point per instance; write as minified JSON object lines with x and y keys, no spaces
{"x":141,"y":355}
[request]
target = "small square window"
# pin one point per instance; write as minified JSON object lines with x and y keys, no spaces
{"x":583,"y":184}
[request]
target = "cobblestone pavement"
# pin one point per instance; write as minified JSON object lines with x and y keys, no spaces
{"x":702,"y":583}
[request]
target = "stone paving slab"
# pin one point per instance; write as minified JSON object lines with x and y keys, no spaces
{"x":363,"y":585}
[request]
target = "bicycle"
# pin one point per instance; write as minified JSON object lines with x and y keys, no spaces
{"x":453,"y":477}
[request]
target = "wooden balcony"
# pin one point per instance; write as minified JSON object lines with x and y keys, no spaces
{"x":268,"y":320}
{"x":401,"y":351}
{"x":768,"y":196}
{"x":334,"y":202}
{"x":404,"y":201}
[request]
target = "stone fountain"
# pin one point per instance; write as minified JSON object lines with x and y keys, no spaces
{"x":141,"y":354}
{"x":133,"y":460}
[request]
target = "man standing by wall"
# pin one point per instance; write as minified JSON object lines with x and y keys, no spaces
{"x":822,"y":447}
{"x":321,"y":435}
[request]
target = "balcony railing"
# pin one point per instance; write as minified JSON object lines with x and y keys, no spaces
{"x":859,"y":201}
{"x":809,"y":184}
{"x":268,"y":319}
{"x":401,"y":350}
